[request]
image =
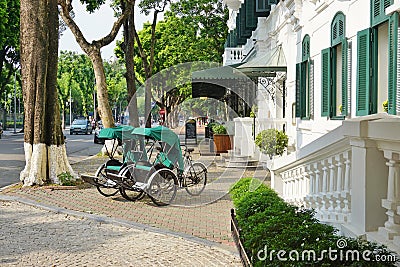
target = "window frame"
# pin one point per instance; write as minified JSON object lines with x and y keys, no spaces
{"x":303,"y":82}
{"x":330,"y":73}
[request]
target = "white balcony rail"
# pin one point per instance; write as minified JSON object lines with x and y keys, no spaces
{"x":232,"y":56}
{"x":323,"y":185}
{"x":350,"y":176}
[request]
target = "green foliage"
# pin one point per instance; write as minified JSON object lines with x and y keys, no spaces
{"x":266,"y":221}
{"x":191,"y":31}
{"x":272,"y":142}
{"x":9,"y":49}
{"x":242,"y":187}
{"x":385,"y":105}
{"x":66,"y":179}
{"x":219,"y":129}
{"x":253,"y":111}
{"x":75,"y":72}
{"x":92,"y":5}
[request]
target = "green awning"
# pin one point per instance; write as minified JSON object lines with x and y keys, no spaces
{"x":219,"y":73}
{"x":272,"y":61}
{"x":119,"y":132}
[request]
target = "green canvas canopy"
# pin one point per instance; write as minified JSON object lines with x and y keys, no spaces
{"x":166,"y":135}
{"x":119,"y":132}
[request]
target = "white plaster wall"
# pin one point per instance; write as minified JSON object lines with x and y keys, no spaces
{"x":317,"y":24}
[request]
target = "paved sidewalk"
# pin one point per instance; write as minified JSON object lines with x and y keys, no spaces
{"x":205,"y":219}
{"x":35,"y":237}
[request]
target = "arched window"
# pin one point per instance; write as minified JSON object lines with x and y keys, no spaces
{"x":335,"y":83}
{"x":305,"y":82}
{"x":377,"y":60}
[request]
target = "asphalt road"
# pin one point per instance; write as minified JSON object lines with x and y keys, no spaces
{"x":12,"y":158}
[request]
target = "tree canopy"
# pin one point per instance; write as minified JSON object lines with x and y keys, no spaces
{"x":190,"y":31}
{"x":9,"y":43}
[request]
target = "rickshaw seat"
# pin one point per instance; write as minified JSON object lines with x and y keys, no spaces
{"x":114,"y":168}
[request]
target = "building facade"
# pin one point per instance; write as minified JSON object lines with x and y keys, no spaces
{"x":336,"y":93}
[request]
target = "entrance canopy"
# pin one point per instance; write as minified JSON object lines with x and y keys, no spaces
{"x":266,"y":64}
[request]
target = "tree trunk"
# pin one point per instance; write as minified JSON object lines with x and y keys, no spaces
{"x":129,"y":41}
{"x":44,"y":146}
{"x":147,"y":104}
{"x":101,"y":85}
{"x":93,"y":51}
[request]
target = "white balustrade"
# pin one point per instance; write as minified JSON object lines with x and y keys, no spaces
{"x":232,"y":55}
{"x":323,"y":185}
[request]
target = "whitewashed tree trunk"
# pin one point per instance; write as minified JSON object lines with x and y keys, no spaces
{"x":44,"y":145}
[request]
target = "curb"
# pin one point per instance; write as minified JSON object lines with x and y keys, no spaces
{"x":120,"y":222}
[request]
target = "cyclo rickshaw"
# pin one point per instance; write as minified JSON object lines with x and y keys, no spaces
{"x":152,"y":164}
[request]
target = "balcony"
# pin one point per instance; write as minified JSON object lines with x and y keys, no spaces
{"x":232,"y":56}
{"x":350,"y":176}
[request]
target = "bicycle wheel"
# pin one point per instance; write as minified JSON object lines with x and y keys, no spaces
{"x":106,"y":186}
{"x":195,"y":177}
{"x":162,"y":187}
{"x":131,"y":194}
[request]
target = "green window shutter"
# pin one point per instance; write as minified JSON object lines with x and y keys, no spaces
{"x":338,"y":29}
{"x":344,"y":77}
{"x":378,"y":14}
{"x":305,"y":74}
{"x":305,"y":48}
{"x":251,"y":18}
{"x":363,"y":72}
{"x":298,"y":90}
{"x":392,"y":62}
{"x":311,"y":87}
{"x":326,"y":82}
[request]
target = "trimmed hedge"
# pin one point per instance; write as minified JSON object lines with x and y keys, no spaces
{"x":268,"y":223}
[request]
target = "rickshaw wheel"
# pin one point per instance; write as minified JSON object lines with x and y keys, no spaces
{"x":107,"y":187}
{"x":195,"y":178}
{"x":162,"y":187}
{"x":131,"y":194}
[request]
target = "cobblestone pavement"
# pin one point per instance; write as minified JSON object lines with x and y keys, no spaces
{"x":211,"y":221}
{"x":34,"y":237}
{"x":207,"y":221}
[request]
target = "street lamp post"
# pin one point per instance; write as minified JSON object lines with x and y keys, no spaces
{"x":70,"y":106}
{"x":15,"y":102}
{"x":94,"y":105}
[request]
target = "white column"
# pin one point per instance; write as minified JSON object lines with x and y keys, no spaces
{"x":392,"y":225}
{"x":339,"y":183}
{"x":311,"y":191}
{"x":318,"y":195}
{"x":306,"y":185}
{"x":332,"y":183}
{"x":325,"y":199}
{"x":345,"y":194}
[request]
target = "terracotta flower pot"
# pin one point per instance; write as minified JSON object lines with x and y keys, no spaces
{"x":222,"y":143}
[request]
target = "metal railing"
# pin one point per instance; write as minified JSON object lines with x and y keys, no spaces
{"x":236,"y":237}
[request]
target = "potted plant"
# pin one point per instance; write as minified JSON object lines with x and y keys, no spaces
{"x":272,"y":142}
{"x":221,"y":139}
{"x":385,"y":105}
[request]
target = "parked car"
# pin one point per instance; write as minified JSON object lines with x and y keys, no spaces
{"x":97,"y":139}
{"x":81,"y":126}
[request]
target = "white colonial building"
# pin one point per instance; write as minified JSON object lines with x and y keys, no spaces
{"x":327,"y":73}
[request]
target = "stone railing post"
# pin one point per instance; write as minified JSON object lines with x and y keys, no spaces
{"x":392,"y":201}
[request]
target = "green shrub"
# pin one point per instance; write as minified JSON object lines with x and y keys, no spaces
{"x":66,"y":179}
{"x":244,"y":185}
{"x":267,"y":221}
{"x":272,"y":142}
{"x":219,"y":129}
